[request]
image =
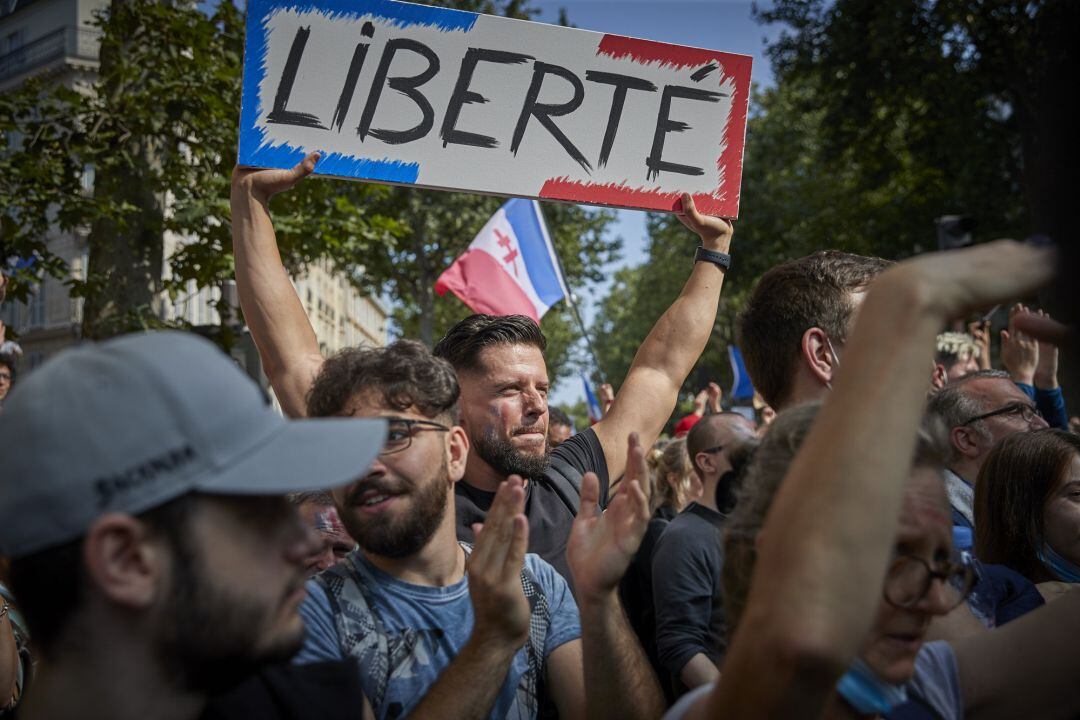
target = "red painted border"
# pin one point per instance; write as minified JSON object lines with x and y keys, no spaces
{"x":725,"y":201}
{"x":628,"y":197}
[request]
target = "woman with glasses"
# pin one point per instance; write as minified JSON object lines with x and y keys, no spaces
{"x":1027,"y":508}
{"x":925,"y":578}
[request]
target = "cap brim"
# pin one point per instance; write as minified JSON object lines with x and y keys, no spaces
{"x":316,"y":454}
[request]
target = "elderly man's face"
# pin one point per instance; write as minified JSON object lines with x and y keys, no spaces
{"x":995,"y":394}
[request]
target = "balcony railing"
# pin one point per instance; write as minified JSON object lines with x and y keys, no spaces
{"x":65,"y":42}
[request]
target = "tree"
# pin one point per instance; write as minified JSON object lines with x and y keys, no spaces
{"x":147,"y":148}
{"x":969,"y":92}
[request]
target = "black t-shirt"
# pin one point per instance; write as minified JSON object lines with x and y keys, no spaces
{"x":319,"y":691}
{"x":636,"y":592}
{"x":548,"y":499}
{"x":687,"y":591}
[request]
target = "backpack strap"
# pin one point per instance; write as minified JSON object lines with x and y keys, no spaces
{"x":361,"y":633}
{"x":530,"y":689}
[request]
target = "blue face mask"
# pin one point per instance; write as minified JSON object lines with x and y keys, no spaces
{"x":867,"y":693}
{"x":1061,"y":568}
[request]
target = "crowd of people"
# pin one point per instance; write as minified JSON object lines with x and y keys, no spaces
{"x":423,"y":536}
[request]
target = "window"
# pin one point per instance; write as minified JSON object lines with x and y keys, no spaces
{"x":36,"y":307}
{"x":13,"y":41}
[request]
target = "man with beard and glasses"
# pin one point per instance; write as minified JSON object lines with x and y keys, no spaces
{"x":500,"y":363}
{"x":154,"y":554}
{"x":448,"y":629}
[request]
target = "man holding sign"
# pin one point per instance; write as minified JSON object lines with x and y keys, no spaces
{"x":433,"y":97}
{"x":504,"y":385}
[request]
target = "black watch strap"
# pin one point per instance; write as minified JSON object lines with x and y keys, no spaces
{"x":721,"y":260}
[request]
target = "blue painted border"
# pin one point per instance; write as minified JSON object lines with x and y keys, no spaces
{"x":543,"y":274}
{"x":253,"y":149}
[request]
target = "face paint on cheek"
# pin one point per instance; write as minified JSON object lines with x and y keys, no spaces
{"x":327,"y":522}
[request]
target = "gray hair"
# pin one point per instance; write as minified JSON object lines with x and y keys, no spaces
{"x":763,"y":477}
{"x":953,"y":406}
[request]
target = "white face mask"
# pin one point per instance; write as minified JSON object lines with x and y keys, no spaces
{"x":835,"y":359}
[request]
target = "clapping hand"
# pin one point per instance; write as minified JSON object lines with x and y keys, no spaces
{"x":602,"y":545}
{"x":502,"y":612}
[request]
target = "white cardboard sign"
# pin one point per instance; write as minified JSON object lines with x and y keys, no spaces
{"x":397,"y":92}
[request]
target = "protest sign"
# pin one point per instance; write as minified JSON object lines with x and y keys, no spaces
{"x":403,"y":93}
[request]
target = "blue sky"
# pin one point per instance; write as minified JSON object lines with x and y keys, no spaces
{"x":714,"y":24}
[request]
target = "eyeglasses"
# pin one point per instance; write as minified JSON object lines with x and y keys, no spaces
{"x":1026,"y":412}
{"x":6,"y":377}
{"x":718,"y":448}
{"x":909,"y":578}
{"x":400,"y":432}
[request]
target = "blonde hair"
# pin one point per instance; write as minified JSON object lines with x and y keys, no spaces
{"x":667,"y":458}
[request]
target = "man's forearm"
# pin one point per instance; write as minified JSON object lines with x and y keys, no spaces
{"x":619,"y":682}
{"x":697,"y":671}
{"x":650,"y":391}
{"x":470,"y":684}
{"x":272,"y":310}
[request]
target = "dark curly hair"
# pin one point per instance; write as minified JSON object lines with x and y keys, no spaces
{"x":405,"y":373}
{"x":462,"y":344}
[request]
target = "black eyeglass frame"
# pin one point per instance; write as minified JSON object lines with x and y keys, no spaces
{"x":970,"y":577}
{"x":1027,"y":413}
{"x":412,"y":427}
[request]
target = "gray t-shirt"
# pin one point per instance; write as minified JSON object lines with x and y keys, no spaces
{"x":936,"y":682}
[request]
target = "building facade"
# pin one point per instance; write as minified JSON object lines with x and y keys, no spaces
{"x":56,"y":39}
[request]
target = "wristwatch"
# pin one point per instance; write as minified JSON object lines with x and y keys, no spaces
{"x":719,"y":259}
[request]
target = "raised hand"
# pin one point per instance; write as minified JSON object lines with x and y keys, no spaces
{"x":715,"y":394}
{"x":973,"y":279}
{"x":1046,"y":371}
{"x":980,"y":331}
{"x":699,"y":402}
{"x":607,"y":397}
{"x":602,"y":545}
{"x":715,"y":232}
{"x":1019,"y":351}
{"x":264,"y":184}
{"x":501,"y":610}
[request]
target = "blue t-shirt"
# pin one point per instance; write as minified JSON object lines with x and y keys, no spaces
{"x":432,"y":624}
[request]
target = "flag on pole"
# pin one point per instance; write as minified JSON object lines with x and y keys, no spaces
{"x":741,"y":386}
{"x":595,"y":413}
{"x":510,"y":268}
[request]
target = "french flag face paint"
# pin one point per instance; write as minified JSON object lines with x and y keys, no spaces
{"x":510,"y":268}
{"x":411,"y":94}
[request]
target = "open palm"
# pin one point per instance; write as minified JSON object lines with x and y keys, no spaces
{"x":602,"y":545}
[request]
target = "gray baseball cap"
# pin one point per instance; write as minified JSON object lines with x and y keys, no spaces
{"x":129,"y":424}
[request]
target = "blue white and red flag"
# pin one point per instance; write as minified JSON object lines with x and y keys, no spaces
{"x":510,"y":268}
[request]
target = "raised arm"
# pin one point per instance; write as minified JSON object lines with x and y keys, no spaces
{"x":279,"y":325}
{"x":1026,"y":668}
{"x":828,"y":536}
{"x":619,"y":682}
{"x":675,"y":343}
